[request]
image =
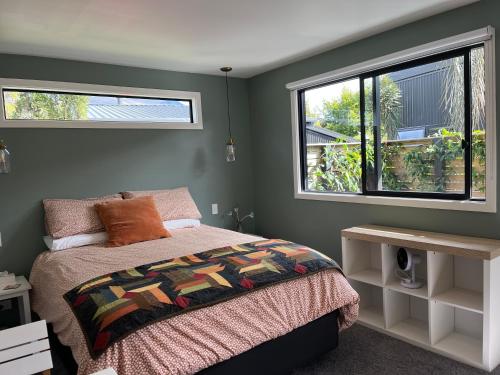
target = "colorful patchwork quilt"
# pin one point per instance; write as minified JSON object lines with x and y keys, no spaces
{"x":112,"y":306}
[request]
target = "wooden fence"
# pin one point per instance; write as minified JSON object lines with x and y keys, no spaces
{"x":454,"y":170}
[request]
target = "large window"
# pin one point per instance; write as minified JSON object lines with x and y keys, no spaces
{"x":55,"y":104}
{"x":417,"y":129}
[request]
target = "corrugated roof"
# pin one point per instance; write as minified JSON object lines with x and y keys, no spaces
{"x":160,"y":112}
{"x":315,"y":134}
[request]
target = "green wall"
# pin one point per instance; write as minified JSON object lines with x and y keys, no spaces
{"x":58,"y":163}
{"x":52,"y":163}
{"x":318,"y":223}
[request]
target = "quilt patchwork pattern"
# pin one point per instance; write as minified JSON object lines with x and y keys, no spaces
{"x":112,"y":306}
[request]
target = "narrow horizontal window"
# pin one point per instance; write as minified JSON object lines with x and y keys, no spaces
{"x":48,"y":105}
{"x":419,"y":129}
{"x":57,"y":104}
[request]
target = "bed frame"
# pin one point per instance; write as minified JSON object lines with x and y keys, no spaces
{"x":279,"y":356}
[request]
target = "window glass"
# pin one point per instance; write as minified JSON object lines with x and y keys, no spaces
{"x":478,"y":119}
{"x":424,"y":125}
{"x":47,"y":105}
{"x":418,"y":127}
{"x":333,"y":137}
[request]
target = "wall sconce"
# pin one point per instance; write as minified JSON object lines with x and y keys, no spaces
{"x":4,"y":158}
{"x":235,"y":213}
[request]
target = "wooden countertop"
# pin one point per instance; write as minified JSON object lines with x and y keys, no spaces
{"x":474,"y":247}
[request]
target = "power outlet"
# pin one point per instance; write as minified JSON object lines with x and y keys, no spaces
{"x":5,"y":305}
{"x":215,"y":209}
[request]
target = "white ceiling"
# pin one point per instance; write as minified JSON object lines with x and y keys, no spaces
{"x":199,"y":36}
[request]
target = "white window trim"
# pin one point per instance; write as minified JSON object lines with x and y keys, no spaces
{"x":485,"y":35}
{"x":71,"y":87}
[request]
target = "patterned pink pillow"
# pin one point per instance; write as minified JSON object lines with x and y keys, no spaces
{"x":172,"y":204}
{"x":67,"y":217}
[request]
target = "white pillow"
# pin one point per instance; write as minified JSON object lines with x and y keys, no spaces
{"x":181,"y":223}
{"x":56,"y":244}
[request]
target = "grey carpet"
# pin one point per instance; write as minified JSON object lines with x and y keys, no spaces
{"x":364,"y":351}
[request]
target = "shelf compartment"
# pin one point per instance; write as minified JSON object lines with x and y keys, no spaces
{"x":456,"y":281}
{"x":462,"y":298}
{"x":362,"y":261}
{"x":407,"y":316}
{"x":457,"y":332}
{"x":371,"y":309}
{"x":389,"y":267}
{"x":396,"y":286}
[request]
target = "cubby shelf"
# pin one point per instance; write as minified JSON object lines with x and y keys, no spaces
{"x":465,"y":299}
{"x":371,"y":307}
{"x":407,"y":315}
{"x":462,"y":347}
{"x":413,"y":329}
{"x":369,"y":276}
{"x":420,"y":292}
{"x":372,"y":316}
{"x":453,"y":314}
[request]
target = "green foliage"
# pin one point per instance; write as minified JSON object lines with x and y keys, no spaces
{"x":340,"y":170}
{"x":426,"y":168}
{"x":447,"y":147}
{"x":429,"y":166}
{"x":48,"y":106}
{"x":342,"y":111}
{"x":390,"y":179}
{"x":479,"y":161}
{"x":390,"y":107}
{"x":452,"y":95}
{"x":344,"y":129}
{"x":343,"y":114}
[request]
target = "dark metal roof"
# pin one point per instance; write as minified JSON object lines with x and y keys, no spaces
{"x":415,"y":71}
{"x":159,"y":112}
{"x":315,"y":134}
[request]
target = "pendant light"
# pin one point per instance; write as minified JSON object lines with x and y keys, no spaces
{"x":230,"y":146}
{"x":4,"y":158}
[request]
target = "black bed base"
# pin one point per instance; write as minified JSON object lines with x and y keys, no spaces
{"x":279,"y":356}
{"x":285,"y":353}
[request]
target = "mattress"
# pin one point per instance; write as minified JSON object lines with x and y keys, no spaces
{"x":190,"y":342}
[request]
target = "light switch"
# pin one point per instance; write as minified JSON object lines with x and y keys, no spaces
{"x":215,"y":209}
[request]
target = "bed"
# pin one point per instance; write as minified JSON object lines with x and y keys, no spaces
{"x":265,"y":324}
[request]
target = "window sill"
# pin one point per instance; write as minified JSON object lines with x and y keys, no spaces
{"x":86,"y":124}
{"x":440,"y":204}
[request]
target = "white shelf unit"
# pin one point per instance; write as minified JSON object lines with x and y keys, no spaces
{"x":453,"y":314}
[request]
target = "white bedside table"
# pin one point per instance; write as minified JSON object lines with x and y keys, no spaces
{"x":22,"y":295}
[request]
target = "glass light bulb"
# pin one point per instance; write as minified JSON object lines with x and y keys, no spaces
{"x":4,"y":160}
{"x":230,"y":152}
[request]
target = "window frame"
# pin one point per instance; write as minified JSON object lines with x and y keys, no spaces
{"x":99,"y":90}
{"x":414,"y":56}
{"x":466,"y":195}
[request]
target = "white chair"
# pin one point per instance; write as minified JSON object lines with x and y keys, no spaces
{"x":25,"y":349}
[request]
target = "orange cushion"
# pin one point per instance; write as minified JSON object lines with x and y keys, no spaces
{"x":130,"y":221}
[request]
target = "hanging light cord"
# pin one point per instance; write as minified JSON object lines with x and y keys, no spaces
{"x":228,"y":112}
